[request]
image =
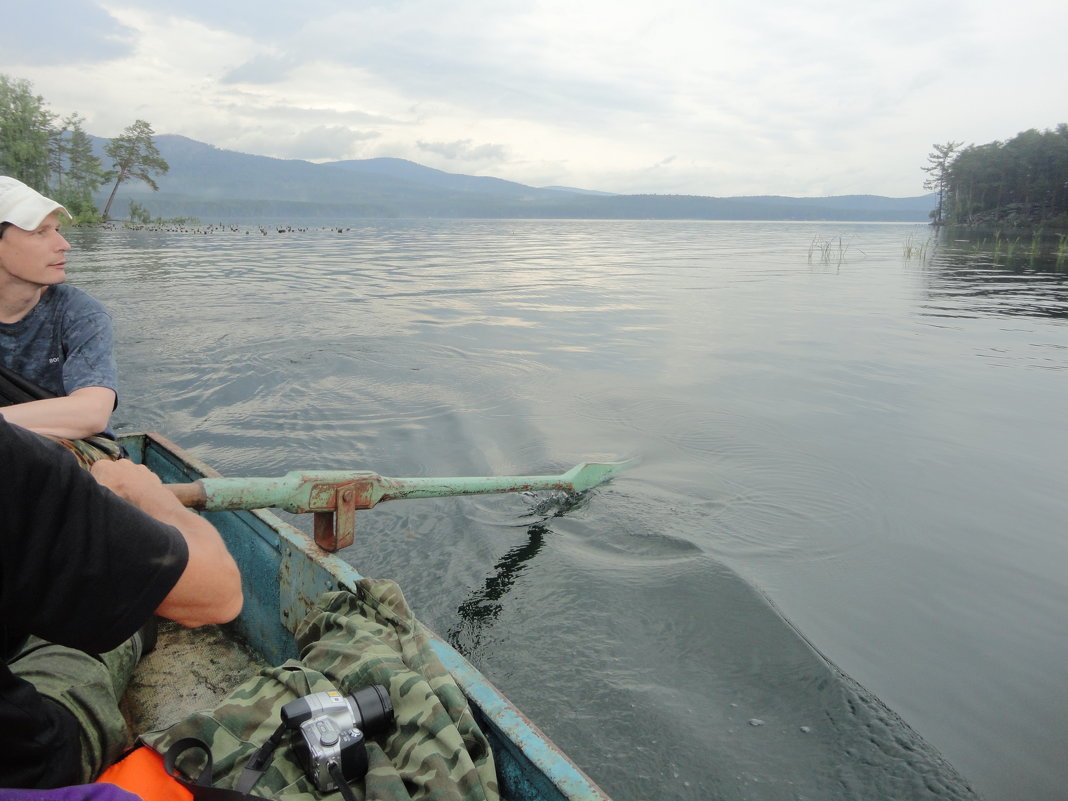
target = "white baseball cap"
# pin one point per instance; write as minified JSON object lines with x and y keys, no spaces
{"x":22,"y":206}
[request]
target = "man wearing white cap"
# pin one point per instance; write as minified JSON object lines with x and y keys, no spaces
{"x":52,"y":335}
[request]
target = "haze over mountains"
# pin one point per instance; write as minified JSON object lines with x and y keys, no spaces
{"x":223,"y":185}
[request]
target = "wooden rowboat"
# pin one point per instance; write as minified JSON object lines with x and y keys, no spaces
{"x":284,"y":572}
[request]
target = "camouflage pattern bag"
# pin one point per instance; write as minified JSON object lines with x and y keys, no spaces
{"x":349,"y":641}
{"x":90,"y":449}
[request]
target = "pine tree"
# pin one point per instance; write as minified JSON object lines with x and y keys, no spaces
{"x":135,"y":156}
{"x":81,"y":174}
{"x":939,"y":161}
{"x":25,"y":133}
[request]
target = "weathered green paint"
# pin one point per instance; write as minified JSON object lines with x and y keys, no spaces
{"x":314,"y":491}
{"x":335,"y":495}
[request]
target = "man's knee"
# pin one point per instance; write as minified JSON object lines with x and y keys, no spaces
{"x":87,"y":688}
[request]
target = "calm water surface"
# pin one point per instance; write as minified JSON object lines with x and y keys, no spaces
{"x":874,"y":443}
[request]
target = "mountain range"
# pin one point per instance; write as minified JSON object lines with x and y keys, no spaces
{"x":212,"y":185}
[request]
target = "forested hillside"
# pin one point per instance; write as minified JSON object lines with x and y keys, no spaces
{"x":1022,"y":182}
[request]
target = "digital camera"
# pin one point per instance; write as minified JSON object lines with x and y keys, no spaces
{"x":333,"y":728}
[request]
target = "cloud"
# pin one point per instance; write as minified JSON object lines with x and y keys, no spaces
{"x":77,"y":32}
{"x":465,"y":150}
{"x":814,"y":96}
{"x":324,"y":143}
{"x":263,"y":68}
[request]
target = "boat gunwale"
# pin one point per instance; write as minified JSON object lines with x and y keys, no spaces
{"x":508,"y":725}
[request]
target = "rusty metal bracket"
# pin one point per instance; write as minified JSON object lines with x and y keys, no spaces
{"x":335,"y":528}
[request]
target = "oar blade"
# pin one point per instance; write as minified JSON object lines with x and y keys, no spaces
{"x":584,"y":476}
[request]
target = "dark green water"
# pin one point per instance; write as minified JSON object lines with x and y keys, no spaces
{"x":875,"y":443}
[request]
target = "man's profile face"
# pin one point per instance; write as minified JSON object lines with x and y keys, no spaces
{"x":37,"y":257}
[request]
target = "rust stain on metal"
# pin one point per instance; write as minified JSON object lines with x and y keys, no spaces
{"x":335,"y":516}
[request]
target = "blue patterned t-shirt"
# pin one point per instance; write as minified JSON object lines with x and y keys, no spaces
{"x":65,"y":343}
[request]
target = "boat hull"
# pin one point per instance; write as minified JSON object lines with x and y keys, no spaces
{"x":284,"y":573}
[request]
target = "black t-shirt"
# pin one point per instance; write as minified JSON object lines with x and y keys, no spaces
{"x":79,"y":567}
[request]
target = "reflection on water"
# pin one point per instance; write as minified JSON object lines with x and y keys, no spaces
{"x":973,"y":277}
{"x":875,"y":442}
{"x":1039,"y":249}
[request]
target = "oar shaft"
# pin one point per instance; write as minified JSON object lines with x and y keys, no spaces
{"x":305,"y":491}
{"x":294,"y":492}
{"x":397,"y":489}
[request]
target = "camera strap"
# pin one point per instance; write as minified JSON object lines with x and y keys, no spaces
{"x":201,"y":787}
{"x":259,"y":762}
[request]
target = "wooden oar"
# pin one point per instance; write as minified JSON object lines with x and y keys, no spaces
{"x":335,"y":495}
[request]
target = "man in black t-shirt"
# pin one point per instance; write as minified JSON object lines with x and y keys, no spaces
{"x":85,"y":560}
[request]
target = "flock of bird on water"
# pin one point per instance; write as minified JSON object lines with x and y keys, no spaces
{"x":181,"y":228}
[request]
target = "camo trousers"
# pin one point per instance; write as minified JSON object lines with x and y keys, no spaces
{"x":89,"y":688}
{"x":350,"y":641}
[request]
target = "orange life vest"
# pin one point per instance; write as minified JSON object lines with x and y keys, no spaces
{"x":141,"y":772}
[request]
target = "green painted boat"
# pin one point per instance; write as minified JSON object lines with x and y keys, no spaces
{"x":284,"y":571}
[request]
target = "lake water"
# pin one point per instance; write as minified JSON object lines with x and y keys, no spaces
{"x":875,"y":443}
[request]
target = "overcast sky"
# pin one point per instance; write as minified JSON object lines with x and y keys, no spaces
{"x":706,"y":97}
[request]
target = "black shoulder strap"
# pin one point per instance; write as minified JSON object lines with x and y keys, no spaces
{"x":16,"y":389}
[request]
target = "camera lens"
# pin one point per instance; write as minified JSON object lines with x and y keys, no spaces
{"x":373,"y":709}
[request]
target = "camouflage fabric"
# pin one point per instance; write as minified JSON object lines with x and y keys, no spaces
{"x":90,"y":449}
{"x":349,"y":641}
{"x":88,"y":686}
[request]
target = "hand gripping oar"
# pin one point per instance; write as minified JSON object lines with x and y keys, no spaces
{"x":335,"y":495}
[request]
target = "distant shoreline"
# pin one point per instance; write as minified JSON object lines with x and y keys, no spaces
{"x":212,"y":184}
{"x":283,"y":225}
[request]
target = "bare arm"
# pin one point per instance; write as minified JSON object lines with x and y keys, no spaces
{"x":209,"y":590}
{"x":84,"y":412}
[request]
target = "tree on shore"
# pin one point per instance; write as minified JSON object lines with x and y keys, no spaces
{"x":1019,"y":182}
{"x":939,"y":160}
{"x":26,"y":133}
{"x":57,"y":160}
{"x":80,"y":173}
{"x":134,"y":155}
